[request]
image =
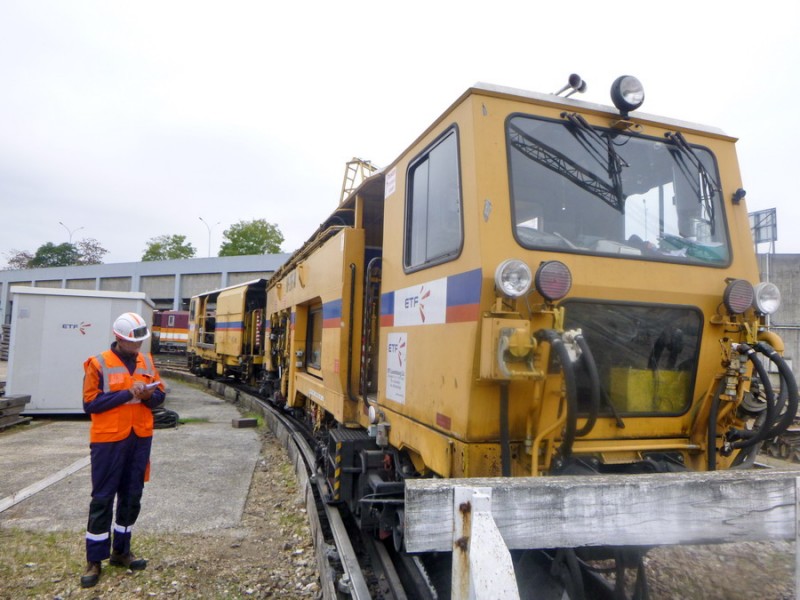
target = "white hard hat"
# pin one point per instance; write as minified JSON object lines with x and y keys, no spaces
{"x":131,"y":327}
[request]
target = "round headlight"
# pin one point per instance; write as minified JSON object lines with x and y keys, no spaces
{"x":513,"y":278}
{"x":553,"y":280}
{"x":767,"y":298}
{"x":738,"y":296}
{"x":627,"y":94}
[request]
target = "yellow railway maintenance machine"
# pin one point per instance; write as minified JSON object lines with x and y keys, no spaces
{"x":226,"y":331}
{"x":537,"y":286}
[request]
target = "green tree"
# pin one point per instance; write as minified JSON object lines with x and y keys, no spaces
{"x":50,"y":255}
{"x":251,"y":237}
{"x":168,"y":247}
{"x":88,"y":251}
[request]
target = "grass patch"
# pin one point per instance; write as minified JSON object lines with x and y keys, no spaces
{"x":46,"y":565}
{"x":35,"y":564}
{"x":257,"y":416}
{"x":189,"y":420}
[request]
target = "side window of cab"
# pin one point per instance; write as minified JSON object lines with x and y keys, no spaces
{"x":434,"y":231}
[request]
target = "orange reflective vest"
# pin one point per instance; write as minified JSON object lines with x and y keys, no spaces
{"x":116,"y":424}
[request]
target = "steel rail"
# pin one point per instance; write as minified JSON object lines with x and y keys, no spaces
{"x":353,"y":582}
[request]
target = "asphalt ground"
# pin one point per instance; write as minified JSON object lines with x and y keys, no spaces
{"x":199,"y":480}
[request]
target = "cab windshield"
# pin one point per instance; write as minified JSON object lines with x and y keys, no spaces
{"x":577,"y":188}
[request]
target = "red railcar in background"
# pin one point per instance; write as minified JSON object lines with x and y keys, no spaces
{"x":170,"y":331}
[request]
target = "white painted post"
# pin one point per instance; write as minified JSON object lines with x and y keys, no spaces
{"x":482,"y":567}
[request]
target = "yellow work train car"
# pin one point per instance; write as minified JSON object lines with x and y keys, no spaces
{"x":226,"y":331}
{"x":538,"y":285}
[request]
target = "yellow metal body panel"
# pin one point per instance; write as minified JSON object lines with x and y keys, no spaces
{"x":322,"y":281}
{"x":443,"y":388}
{"x":440,"y":375}
{"x":230,"y":322}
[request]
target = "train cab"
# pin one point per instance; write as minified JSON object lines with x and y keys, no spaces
{"x":537,"y":285}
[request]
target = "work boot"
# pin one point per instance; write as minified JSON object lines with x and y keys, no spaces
{"x":129,"y":561}
{"x":92,"y":574}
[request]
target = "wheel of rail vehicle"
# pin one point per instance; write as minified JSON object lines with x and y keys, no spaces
{"x":535,"y":578}
{"x":398,"y":531}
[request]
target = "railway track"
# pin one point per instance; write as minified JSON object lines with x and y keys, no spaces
{"x":351,"y":564}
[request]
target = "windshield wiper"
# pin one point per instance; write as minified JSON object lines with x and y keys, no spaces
{"x":707,"y":186}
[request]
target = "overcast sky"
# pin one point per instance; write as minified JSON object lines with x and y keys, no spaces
{"x":129,"y":120}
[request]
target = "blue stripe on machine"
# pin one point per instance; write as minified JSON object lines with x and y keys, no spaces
{"x":332,"y":309}
{"x":464,"y":288}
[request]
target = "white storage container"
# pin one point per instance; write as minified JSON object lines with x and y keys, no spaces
{"x":53,"y":331}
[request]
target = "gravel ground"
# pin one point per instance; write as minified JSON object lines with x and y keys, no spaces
{"x":746,"y":571}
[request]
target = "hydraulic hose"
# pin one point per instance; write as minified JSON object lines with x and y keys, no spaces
{"x":556,"y":344}
{"x":747,"y":457}
{"x":748,"y":438}
{"x":594,"y":381}
{"x":788,"y":382}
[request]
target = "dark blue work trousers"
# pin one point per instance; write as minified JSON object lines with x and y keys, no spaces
{"x":118,"y":471}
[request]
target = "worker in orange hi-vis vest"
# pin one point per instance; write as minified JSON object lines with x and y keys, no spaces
{"x":121,"y":386}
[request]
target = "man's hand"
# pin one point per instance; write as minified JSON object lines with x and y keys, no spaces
{"x":140,"y":392}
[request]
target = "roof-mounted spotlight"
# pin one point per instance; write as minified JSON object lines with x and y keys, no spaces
{"x":574,"y":84}
{"x":627,"y":94}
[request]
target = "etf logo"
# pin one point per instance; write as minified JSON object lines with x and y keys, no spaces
{"x":82,"y":326}
{"x":423,"y":304}
{"x":418,"y":300}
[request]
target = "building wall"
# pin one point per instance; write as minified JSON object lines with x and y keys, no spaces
{"x":116,"y":284}
{"x":53,"y":284}
{"x":197,"y":283}
{"x":158,"y":286}
{"x":784,"y":271}
{"x":237,"y":278}
{"x":169,"y":284}
{"x":81,"y":284}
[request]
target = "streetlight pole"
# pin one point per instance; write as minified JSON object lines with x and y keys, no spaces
{"x":209,"y":227}
{"x":70,"y":232}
